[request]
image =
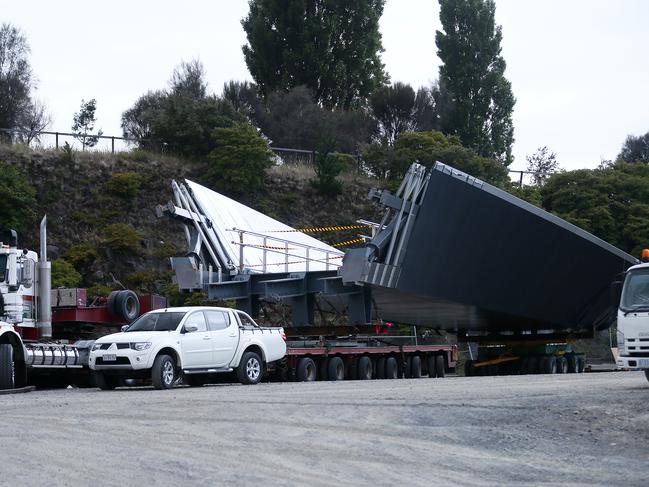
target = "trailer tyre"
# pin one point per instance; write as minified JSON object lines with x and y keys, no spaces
{"x":440,"y":366}
{"x":432,"y":371}
{"x":306,"y":370}
{"x":7,"y":371}
{"x":581,"y":364}
{"x":391,"y":368}
{"x":573,"y":364}
{"x":336,"y":369}
{"x":549,"y":365}
{"x":163,"y":372}
{"x":128,"y":305}
{"x":250,"y":368}
{"x":562,"y":365}
{"x":380,"y":368}
{"x":415,"y":367}
{"x":364,"y":369}
{"x":105,"y":382}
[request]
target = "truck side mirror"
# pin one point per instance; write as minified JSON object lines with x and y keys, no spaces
{"x":616,"y":293}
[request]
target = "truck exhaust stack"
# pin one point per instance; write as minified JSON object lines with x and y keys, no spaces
{"x":44,"y":324}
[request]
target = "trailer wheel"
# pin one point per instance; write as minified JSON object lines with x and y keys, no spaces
{"x":306,"y":370}
{"x":128,"y":305}
{"x":250,"y":368}
{"x":562,"y":365}
{"x":415,"y":367}
{"x":440,"y":366}
{"x":7,"y":371}
{"x":432,"y":372}
{"x":380,"y":368}
{"x":573,"y":364}
{"x":336,"y":369}
{"x":549,"y":365}
{"x":391,"y":368}
{"x":105,"y":382}
{"x":364,"y":370}
{"x":163,"y":372}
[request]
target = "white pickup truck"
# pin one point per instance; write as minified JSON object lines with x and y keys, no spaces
{"x":194,"y":342}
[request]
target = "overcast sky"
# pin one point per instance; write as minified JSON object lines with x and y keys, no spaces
{"x":579,"y":68}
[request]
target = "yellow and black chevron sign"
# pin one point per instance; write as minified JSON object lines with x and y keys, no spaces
{"x":321,"y":229}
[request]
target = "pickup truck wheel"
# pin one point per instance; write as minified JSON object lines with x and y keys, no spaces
{"x":336,"y":369}
{"x":306,"y":370}
{"x":105,"y":382}
{"x":7,"y":371}
{"x":440,"y":366}
{"x":250,"y":368}
{"x":163,"y":373}
{"x":364,"y":370}
{"x":415,"y":367}
{"x":391,"y":368}
{"x":380,"y":368}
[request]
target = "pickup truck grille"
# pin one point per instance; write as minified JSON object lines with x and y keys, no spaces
{"x":120,"y":346}
{"x":119,"y":361}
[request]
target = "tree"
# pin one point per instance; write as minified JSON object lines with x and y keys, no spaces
{"x":635,"y":149}
{"x":188,"y":80}
{"x":15,"y":76}
{"x":83,"y":124}
{"x":327,"y":168}
{"x":243,"y":97}
{"x":18,"y":202}
{"x":475,"y":97}
{"x":34,"y":120}
{"x":393,"y":106}
{"x":331,"y":46}
{"x":542,"y":164}
{"x":137,"y":121}
{"x":239,"y":160}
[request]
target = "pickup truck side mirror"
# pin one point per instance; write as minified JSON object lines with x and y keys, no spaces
{"x":190,"y":328}
{"x":124,"y":328}
{"x":616,"y":293}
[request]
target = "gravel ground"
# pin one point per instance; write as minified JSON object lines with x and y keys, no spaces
{"x":589,"y":429}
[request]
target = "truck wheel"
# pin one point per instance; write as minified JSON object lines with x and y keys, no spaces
{"x":364,"y":369}
{"x":163,"y":373}
{"x":306,"y":370}
{"x":323,"y":368}
{"x":431,"y":366}
{"x":250,"y":368}
{"x":105,"y":382}
{"x":380,"y":368}
{"x":549,"y":365}
{"x":336,"y":369}
{"x":440,"y":366}
{"x":391,"y":368}
{"x":415,"y":367}
{"x":581,"y":364}
{"x":573,"y":364}
{"x":562,"y":365}
{"x":468,"y":368}
{"x":7,"y":372}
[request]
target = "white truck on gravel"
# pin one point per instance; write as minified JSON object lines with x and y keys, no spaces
{"x":189,"y":343}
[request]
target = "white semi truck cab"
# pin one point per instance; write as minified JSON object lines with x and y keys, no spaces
{"x":633,"y":318}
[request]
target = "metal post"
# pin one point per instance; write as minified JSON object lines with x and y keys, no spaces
{"x":285,"y":256}
{"x":327,"y":257}
{"x":520,"y":185}
{"x":307,"y":259}
{"x":112,"y":145}
{"x":265,"y":252}
{"x":241,"y":251}
{"x":57,"y":140}
{"x":313,"y":153}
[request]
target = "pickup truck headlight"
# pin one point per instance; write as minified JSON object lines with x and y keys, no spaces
{"x":96,"y":346}
{"x":620,"y":342}
{"x":139,"y":346}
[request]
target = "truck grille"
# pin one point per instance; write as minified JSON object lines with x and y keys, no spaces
{"x":119,"y":361}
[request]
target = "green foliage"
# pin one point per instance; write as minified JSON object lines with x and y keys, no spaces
{"x":635,"y":149}
{"x":612,"y":202}
{"x":177,"y":298}
{"x":475,"y":97}
{"x":346,"y":162}
{"x":67,"y":153}
{"x":148,"y":281}
{"x":332,"y":47}
{"x":121,"y":238}
{"x":81,"y":255}
{"x":64,"y":274}
{"x":543,"y":164}
{"x":17,"y":200}
{"x":83,"y":124}
{"x":124,"y":184}
{"x":327,"y":168}
{"x":16,"y":77}
{"x":426,"y":148}
{"x":239,"y":160}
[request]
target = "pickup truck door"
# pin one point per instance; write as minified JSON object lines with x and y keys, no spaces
{"x":196,"y":345}
{"x":225,"y":336}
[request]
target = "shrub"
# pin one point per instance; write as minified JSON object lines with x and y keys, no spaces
{"x":121,"y":238}
{"x":81,"y":255}
{"x":239,"y":161}
{"x":327,"y":168}
{"x":18,"y":199}
{"x":64,"y":274}
{"x":124,"y":184}
{"x":150,"y":280}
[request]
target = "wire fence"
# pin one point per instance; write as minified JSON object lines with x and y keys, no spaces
{"x":44,"y":139}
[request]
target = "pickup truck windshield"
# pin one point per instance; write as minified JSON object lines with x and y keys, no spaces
{"x":156,"y":322}
{"x":3,"y":267}
{"x":635,"y":294}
